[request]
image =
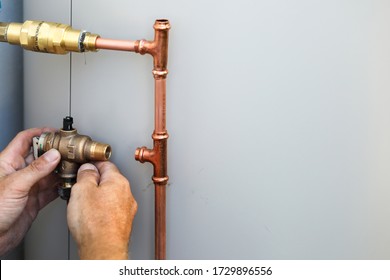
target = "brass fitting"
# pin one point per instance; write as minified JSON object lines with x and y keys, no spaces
{"x":75,"y":149}
{"x":48,"y":37}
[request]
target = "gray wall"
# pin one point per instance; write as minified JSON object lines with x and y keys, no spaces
{"x":11,"y":78}
{"x":278,"y":113}
{"x":11,"y":84}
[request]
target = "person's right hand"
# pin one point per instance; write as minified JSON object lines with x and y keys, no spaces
{"x":101,"y":210}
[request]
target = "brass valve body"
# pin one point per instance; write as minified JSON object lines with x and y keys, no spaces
{"x":75,"y":149}
{"x":48,"y":37}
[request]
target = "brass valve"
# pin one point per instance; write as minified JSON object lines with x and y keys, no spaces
{"x":75,"y":149}
{"x":48,"y":37}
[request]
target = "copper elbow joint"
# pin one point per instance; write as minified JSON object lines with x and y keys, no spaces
{"x":75,"y":149}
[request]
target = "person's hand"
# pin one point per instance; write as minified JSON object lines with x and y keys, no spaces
{"x":101,"y":210}
{"x":26,"y":185}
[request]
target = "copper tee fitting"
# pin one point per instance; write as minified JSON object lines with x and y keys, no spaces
{"x":75,"y":149}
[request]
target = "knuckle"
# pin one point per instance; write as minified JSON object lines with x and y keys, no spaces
{"x":20,"y":135}
{"x":124,"y":182}
{"x":119,"y":181}
{"x":89,"y":175}
{"x":134,"y":207}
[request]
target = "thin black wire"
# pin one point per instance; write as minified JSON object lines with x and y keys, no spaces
{"x":70,"y":64}
{"x":70,"y":84}
{"x":70,"y":100}
{"x":71,"y":11}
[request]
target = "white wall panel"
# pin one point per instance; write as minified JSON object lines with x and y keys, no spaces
{"x":278,"y":117}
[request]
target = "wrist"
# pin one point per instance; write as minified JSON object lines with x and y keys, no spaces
{"x":103,"y":253}
{"x":96,"y":250}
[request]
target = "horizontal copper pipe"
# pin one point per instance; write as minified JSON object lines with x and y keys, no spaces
{"x":117,"y":45}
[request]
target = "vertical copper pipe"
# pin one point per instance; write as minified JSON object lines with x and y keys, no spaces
{"x":160,"y":106}
{"x":157,"y":156}
{"x":160,"y":176}
{"x":160,"y":222}
{"x":158,"y":48}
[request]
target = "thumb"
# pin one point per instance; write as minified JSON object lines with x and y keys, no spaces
{"x":88,"y":178}
{"x":88,"y":175}
{"x":25,"y":178}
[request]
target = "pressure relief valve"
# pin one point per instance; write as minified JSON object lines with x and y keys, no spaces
{"x":75,"y":149}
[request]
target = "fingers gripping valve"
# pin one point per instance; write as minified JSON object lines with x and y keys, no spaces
{"x":75,"y":149}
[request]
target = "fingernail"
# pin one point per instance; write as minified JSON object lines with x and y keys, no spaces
{"x":87,"y":166}
{"x":51,"y":155}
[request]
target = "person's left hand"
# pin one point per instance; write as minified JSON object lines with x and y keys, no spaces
{"x":26,"y":186}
